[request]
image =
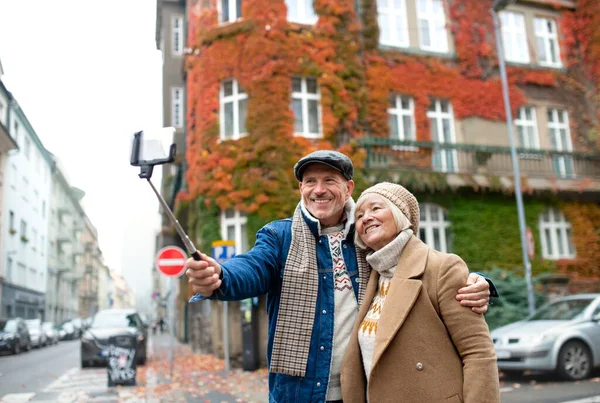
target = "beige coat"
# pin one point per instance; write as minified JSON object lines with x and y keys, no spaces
{"x":428,"y":347}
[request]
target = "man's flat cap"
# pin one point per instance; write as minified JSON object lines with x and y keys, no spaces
{"x":334,"y":159}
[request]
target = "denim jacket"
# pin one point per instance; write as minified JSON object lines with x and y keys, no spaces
{"x":260,"y":271}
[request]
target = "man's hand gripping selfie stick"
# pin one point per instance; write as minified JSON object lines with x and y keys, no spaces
{"x":141,"y":153}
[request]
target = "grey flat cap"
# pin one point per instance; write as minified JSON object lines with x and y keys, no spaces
{"x":334,"y":159}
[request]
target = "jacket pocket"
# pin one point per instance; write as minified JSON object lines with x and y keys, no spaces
{"x":454,"y":399}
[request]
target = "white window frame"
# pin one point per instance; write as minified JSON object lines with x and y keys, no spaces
{"x":304,"y":96}
{"x":397,"y":112}
{"x":393,"y":16}
{"x":238,"y":220}
{"x":303,"y":9}
{"x":438,"y":115}
{"x":514,"y":37}
{"x":522,"y":122}
{"x":177,"y":97}
{"x":233,"y":11}
{"x":436,"y":23}
{"x":238,"y":94}
{"x":549,"y":41}
{"x":560,"y":235}
{"x":429,"y":226}
{"x":177,"y":35}
{"x":565,"y":163}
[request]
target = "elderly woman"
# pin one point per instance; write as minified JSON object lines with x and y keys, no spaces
{"x":412,"y":342}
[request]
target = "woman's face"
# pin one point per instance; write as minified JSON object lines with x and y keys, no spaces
{"x":375,"y":224}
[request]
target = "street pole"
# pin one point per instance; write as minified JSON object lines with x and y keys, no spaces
{"x":226,"y":332}
{"x":172,"y":324}
{"x":515,"y":161}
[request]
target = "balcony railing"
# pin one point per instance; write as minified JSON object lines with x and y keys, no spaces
{"x":476,"y":159}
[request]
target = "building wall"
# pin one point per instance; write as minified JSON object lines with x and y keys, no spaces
{"x":27,"y":199}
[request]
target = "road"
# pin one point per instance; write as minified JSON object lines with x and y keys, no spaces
{"x":549,"y":389}
{"x":31,"y":371}
{"x":53,"y":374}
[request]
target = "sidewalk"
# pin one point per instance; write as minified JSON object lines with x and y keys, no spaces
{"x":196,"y":378}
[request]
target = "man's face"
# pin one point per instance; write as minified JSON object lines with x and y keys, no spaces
{"x":324,"y":192}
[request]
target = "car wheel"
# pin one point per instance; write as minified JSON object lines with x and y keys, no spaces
{"x":17,"y":347}
{"x":28,"y":347}
{"x":512,"y":374}
{"x":574,"y":361}
{"x":85,"y":364}
{"x":142,"y":360}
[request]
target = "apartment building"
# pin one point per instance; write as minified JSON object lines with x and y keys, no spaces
{"x":65,"y":247}
{"x":92,"y":262}
{"x":411,"y":90}
{"x":7,"y":145}
{"x":171,"y":41}
{"x":25,"y":202}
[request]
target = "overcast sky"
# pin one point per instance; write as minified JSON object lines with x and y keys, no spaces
{"x":88,"y":75}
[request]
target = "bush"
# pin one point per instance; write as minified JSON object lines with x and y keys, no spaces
{"x":512,"y":304}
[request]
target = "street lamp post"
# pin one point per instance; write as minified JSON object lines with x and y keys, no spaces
{"x":497,"y":6}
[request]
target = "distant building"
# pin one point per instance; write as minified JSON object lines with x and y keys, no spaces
{"x":25,"y":210}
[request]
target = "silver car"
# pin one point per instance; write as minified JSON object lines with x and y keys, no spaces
{"x":561,"y":336}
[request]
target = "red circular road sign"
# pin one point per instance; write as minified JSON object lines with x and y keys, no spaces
{"x":170,"y":261}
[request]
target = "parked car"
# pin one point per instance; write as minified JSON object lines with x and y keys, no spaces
{"x":561,"y":336}
{"x":66,"y":331}
{"x":107,"y":323}
{"x":51,"y":332}
{"x":38,"y":337}
{"x":14,"y":335}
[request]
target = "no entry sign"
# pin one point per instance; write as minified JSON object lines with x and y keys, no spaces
{"x":170,"y":261}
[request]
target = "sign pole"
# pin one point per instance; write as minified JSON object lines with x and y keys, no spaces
{"x":172,"y":322}
{"x":226,"y":333}
{"x":222,"y":251}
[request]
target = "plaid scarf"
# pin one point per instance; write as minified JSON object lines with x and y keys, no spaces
{"x":295,"y":319}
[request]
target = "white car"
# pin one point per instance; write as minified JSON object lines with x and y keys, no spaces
{"x":38,"y":336}
{"x":561,"y":336}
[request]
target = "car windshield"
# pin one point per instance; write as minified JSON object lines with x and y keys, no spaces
{"x":562,"y":310}
{"x":114,"y":320}
{"x":8,"y":325}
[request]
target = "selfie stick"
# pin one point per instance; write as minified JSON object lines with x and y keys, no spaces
{"x":146,"y":167}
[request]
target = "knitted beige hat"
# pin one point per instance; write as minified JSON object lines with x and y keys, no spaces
{"x":402,"y":198}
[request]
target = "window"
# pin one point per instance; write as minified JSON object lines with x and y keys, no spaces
{"x":305,"y":103}
{"x":556,"y":237}
{"x":402,"y":117}
{"x":229,"y":10}
{"x":42,"y":244}
{"x":393,"y":26}
{"x":432,"y":25}
{"x":13,"y":176}
{"x":514,"y":37}
{"x":23,"y":229}
{"x":234,"y":106}
{"x":177,"y":35}
{"x":34,"y":239}
{"x":25,"y":189}
{"x":560,"y":139}
{"x":38,"y":163}
{"x":301,"y":11}
{"x":9,"y":269}
{"x":434,"y":227}
{"x":27,"y":148}
{"x":43,"y":208}
{"x":16,"y":132}
{"x":546,"y":37}
{"x":11,"y":221}
{"x":527,"y":128}
{"x":233,"y":228}
{"x":177,"y":107}
{"x":441,"y":120}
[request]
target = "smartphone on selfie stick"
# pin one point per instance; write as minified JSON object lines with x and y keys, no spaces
{"x":150,"y":148}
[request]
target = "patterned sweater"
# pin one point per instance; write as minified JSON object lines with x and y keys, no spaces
{"x":383,"y":261}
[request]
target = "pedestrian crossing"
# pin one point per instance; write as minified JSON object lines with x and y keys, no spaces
{"x":83,"y":386}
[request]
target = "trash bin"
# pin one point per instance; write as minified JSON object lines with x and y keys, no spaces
{"x":249,"y":308}
{"x":121,"y":359}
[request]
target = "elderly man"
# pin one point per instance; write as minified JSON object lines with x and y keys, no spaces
{"x":308,"y":267}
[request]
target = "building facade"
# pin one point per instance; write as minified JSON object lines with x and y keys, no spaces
{"x":92,"y":262}
{"x":26,"y":199}
{"x":67,"y":223}
{"x":410,"y":89}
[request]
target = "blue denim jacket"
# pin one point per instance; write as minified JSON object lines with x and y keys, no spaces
{"x":260,"y":271}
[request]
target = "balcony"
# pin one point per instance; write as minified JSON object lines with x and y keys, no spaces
{"x":543,"y":168}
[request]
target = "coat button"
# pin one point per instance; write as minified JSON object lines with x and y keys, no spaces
{"x":419,"y":366}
